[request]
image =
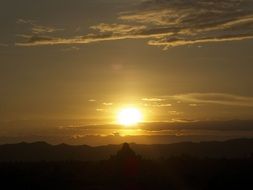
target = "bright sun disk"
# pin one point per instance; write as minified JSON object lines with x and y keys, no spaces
{"x":129,"y":116}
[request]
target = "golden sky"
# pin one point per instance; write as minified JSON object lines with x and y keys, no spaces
{"x":176,"y":61}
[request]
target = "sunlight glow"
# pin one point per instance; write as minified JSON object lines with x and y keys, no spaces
{"x":129,"y":116}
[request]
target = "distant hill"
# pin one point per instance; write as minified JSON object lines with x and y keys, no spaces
{"x":41,"y":151}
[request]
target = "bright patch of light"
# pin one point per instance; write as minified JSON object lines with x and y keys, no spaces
{"x":129,"y":116}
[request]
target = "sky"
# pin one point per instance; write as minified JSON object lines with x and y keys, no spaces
{"x":68,"y":66}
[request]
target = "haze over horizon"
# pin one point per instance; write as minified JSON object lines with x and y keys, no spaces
{"x":69,"y":68}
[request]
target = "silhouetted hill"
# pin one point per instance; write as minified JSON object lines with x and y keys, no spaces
{"x":41,"y":151}
{"x":124,"y":170}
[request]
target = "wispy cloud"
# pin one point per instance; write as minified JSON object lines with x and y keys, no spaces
{"x":38,"y":40}
{"x":167,"y":23}
{"x":152,"y":99}
{"x":25,"y":21}
{"x":72,"y":48}
{"x":158,"y":105}
{"x":37,"y":29}
{"x":196,"y":99}
{"x":107,"y":104}
{"x":216,"y":98}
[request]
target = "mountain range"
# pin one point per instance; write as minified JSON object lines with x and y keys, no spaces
{"x":42,"y":151}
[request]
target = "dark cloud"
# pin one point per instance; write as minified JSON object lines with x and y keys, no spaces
{"x":169,"y":23}
{"x":174,"y":127}
{"x":195,"y":126}
{"x":164,"y":132}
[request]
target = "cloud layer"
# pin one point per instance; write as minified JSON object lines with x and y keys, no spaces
{"x":167,"y":23}
{"x":60,"y":131}
{"x":216,"y":98}
{"x":201,"y":98}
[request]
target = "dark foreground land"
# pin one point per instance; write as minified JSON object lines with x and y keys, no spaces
{"x":127,"y":170}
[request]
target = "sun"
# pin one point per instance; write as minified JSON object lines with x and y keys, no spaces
{"x":129,"y":116}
